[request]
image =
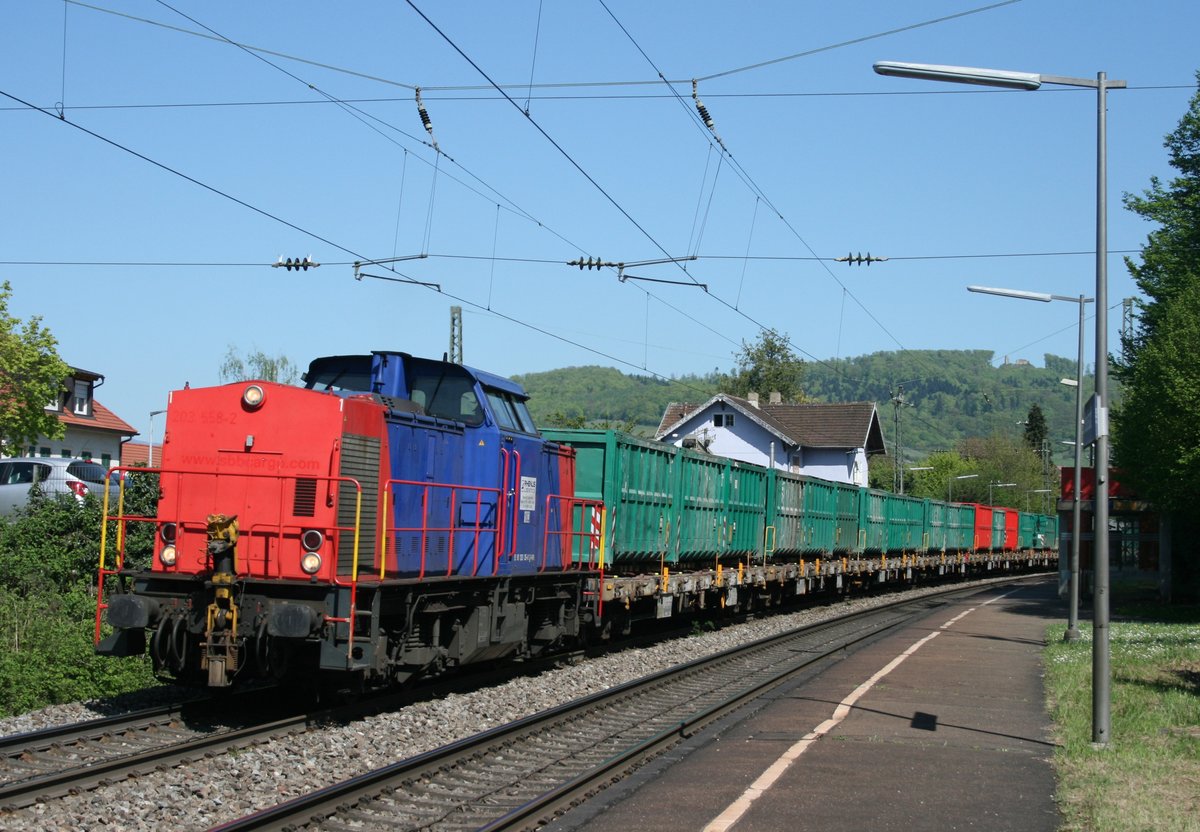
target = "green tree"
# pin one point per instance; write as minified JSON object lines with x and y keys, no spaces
{"x":1156,"y":432}
{"x":768,"y":365}
{"x":1035,"y":430}
{"x":31,"y":377}
{"x":258,"y":365}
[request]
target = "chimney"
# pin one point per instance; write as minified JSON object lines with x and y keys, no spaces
{"x":776,"y":397}
{"x":753,"y":399}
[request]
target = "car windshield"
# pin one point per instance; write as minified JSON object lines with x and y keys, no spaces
{"x":88,"y":472}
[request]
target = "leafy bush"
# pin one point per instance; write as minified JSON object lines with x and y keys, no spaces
{"x":49,"y":556}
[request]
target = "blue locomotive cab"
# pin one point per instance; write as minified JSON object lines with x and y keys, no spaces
{"x":471,"y":479}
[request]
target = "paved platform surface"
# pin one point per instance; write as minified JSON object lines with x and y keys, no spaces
{"x":953,"y":735}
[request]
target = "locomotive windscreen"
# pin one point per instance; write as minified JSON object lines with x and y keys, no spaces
{"x":340,"y":372}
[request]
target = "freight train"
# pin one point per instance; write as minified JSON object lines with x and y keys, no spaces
{"x":398,"y":517}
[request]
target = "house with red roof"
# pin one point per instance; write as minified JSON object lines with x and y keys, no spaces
{"x":830,"y":441}
{"x":93,"y":431}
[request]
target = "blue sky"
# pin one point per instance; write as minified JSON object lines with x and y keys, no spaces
{"x":149,"y":277}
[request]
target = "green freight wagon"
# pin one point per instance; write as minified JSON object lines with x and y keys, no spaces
{"x":873,"y":521}
{"x":846,"y":537}
{"x":960,"y":527}
{"x":1027,"y":530}
{"x":905,"y":523}
{"x":1047,"y":532}
{"x":937,"y":523}
{"x":802,"y":515}
{"x":636,"y":480}
{"x":668,"y":505}
{"x":999,"y":528}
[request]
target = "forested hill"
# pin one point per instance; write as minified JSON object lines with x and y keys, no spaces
{"x":949,"y":395}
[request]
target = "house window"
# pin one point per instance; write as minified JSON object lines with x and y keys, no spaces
{"x":720,"y":419}
{"x":86,"y":455}
{"x":106,"y":460}
{"x":80,"y":403}
{"x":44,"y":452}
{"x":66,"y":454}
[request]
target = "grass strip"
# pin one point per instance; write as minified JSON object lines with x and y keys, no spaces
{"x":1148,"y":777}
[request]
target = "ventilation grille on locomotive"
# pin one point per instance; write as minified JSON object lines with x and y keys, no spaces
{"x":360,"y":460}
{"x":304,"y":504}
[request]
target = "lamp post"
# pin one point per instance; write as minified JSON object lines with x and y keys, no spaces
{"x":150,"y":450}
{"x":950,"y":485}
{"x":1101,"y":671}
{"x":1072,"y":633}
{"x":992,"y":485}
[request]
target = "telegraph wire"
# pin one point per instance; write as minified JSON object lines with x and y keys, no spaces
{"x":365,"y":118}
{"x":703,"y":121}
{"x":537,"y":31}
{"x":554,"y":85}
{"x":588,"y":176}
{"x":401,"y":277}
{"x":288,"y":102}
{"x":856,"y":41}
{"x":544,"y":260}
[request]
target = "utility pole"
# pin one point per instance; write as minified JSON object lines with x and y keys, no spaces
{"x":898,"y":477}
{"x":456,"y":335}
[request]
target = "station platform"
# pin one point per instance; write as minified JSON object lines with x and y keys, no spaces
{"x":939,"y":725}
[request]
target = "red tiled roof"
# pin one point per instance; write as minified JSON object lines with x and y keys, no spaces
{"x":813,"y":425}
{"x":101,"y":419}
{"x":137,"y":454}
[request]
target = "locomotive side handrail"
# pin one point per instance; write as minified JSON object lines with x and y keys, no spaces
{"x":452,"y":529}
{"x":589,"y":532}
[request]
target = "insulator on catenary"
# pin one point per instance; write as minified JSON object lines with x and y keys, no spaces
{"x":704,"y":114}
{"x":859,"y":259}
{"x":297,"y":263}
{"x":425,"y":119}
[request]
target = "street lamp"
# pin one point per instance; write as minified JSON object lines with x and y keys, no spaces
{"x":992,"y":485}
{"x":1072,"y":633}
{"x":950,"y":485}
{"x":1037,"y":491}
{"x":150,"y":450}
{"x":1101,"y":671}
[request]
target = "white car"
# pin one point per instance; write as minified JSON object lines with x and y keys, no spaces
{"x":54,"y":475}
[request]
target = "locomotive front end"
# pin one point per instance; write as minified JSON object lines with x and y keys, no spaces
{"x":265,"y":519}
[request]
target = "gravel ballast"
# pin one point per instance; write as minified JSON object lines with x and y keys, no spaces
{"x":213,"y":791}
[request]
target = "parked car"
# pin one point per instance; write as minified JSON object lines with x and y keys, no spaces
{"x":77,"y":477}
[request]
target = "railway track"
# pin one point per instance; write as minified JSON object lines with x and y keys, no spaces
{"x":41,"y":765}
{"x":520,"y":775}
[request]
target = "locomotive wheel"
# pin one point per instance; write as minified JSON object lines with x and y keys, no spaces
{"x":159,"y":646}
{"x":178,"y":644}
{"x":262,"y":649}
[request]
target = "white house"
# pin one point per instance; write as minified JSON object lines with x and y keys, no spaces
{"x":93,"y":431}
{"x":830,"y":441}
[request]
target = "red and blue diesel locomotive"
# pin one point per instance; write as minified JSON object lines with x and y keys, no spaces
{"x":400,"y":516}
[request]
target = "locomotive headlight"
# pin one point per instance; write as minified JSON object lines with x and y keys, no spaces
{"x":167,"y":556}
{"x":253,"y":396}
{"x":312,"y":540}
{"x":310,"y":563}
{"x":167,"y":533}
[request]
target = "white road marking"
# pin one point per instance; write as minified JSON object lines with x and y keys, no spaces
{"x":735,"y":810}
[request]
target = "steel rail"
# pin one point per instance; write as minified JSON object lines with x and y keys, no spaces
{"x":355,"y":794}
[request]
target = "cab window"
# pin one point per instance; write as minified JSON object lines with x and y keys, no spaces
{"x":510,"y":411}
{"x":448,"y":395}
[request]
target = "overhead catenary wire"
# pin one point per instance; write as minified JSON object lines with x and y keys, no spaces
{"x":551,"y":85}
{"x":745,"y":259}
{"x":399,"y":276}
